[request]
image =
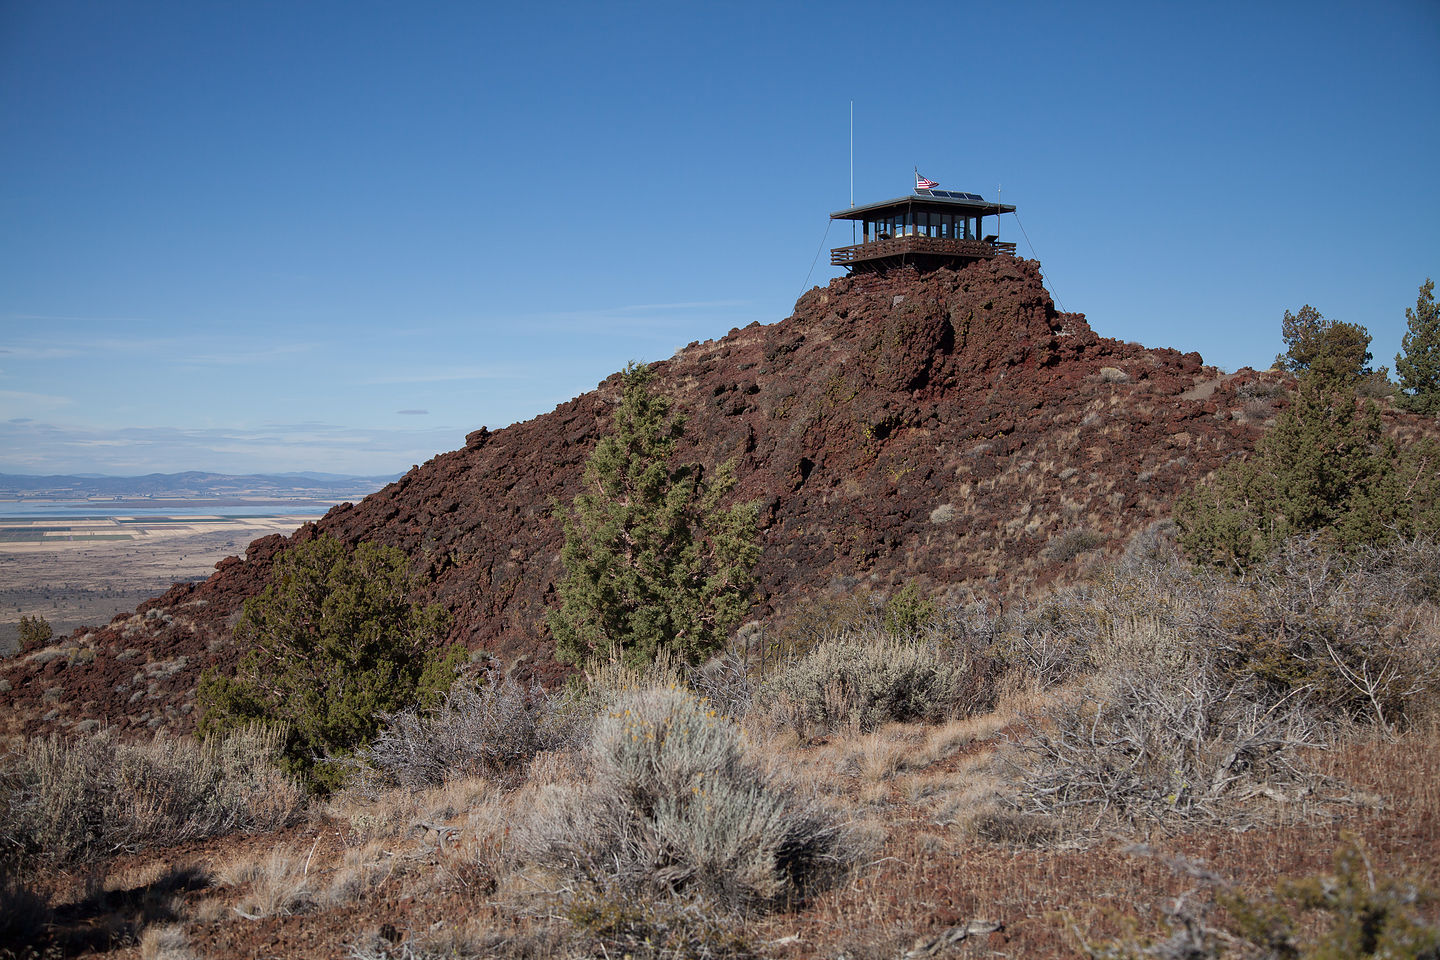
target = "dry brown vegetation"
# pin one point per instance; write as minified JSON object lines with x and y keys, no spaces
{"x":1148,"y":755}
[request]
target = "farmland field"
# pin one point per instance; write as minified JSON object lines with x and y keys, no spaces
{"x":81,"y":571}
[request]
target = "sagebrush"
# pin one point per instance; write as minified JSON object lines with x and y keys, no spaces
{"x":868,"y":680}
{"x":491,"y":727}
{"x":675,"y":807}
{"x":69,"y":801}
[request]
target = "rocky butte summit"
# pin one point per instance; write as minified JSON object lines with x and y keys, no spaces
{"x":929,"y":418}
{"x":946,"y":427}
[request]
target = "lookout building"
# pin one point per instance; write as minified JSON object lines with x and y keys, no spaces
{"x":928,"y":229}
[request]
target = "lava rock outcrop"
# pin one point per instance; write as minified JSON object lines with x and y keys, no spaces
{"x":942,"y":428}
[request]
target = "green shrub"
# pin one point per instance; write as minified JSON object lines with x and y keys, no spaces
{"x":1418,"y":364}
{"x":332,"y":644}
{"x":1350,"y":914}
{"x":1367,"y":916}
{"x":674,"y":807}
{"x":652,"y":561}
{"x":69,"y":801}
{"x":1326,"y":466}
{"x":35,"y":632}
{"x":907,"y":612}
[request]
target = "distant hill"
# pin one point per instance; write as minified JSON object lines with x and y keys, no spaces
{"x":191,"y":485}
{"x":953,"y":430}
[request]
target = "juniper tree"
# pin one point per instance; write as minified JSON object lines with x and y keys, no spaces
{"x":332,"y":643}
{"x":1327,"y":465}
{"x":1331,"y":348}
{"x":652,"y":560}
{"x":35,"y":632}
{"x":1417,"y":366}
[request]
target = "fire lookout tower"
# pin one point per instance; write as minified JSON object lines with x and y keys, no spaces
{"x":928,"y":229}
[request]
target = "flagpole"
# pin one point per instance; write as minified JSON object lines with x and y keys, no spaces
{"x":852,"y":168}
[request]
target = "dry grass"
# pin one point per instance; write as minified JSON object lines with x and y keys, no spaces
{"x":921,"y":802}
{"x":70,"y":801}
{"x":165,"y":942}
{"x":362,"y":872}
{"x":934,"y":843}
{"x":277,"y":885}
{"x":862,"y":680}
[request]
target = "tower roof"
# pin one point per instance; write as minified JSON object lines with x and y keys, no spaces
{"x":971,"y":203}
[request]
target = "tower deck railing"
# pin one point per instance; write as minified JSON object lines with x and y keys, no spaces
{"x":935,"y":246}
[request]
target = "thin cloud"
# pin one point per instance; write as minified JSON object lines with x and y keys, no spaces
{"x":40,"y":398}
{"x":240,"y":357}
{"x":39,"y":353}
{"x":50,"y":349}
{"x":200,"y":349}
{"x":640,"y":319}
{"x":681,"y":305}
{"x":55,"y":318}
{"x":445,"y":375}
{"x":638,"y":310}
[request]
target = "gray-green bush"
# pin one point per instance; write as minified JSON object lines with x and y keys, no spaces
{"x":674,"y":806}
{"x":870,"y":680}
{"x":1358,"y":633}
{"x":69,"y":801}
{"x":1161,"y":744}
{"x":490,"y":727}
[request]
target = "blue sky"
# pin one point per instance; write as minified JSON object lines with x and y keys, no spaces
{"x":338,"y":236}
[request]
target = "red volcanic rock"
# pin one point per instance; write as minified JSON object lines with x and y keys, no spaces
{"x":941,"y":428}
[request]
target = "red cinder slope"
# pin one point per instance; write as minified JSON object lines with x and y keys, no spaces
{"x":942,"y":428}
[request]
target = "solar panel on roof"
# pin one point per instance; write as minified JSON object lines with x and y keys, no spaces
{"x":950,"y":194}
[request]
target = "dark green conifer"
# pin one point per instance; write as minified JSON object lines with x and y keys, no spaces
{"x":652,"y":560}
{"x":1331,"y":348}
{"x":331,"y":644}
{"x":1417,"y":366}
{"x":1326,"y":465}
{"x":35,"y":632}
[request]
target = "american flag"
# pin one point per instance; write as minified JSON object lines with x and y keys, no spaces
{"x":922,"y":184}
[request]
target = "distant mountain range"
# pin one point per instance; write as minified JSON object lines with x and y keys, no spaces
{"x":192,"y":485}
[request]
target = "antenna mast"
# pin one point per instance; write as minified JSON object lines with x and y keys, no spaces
{"x":852,"y":167}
